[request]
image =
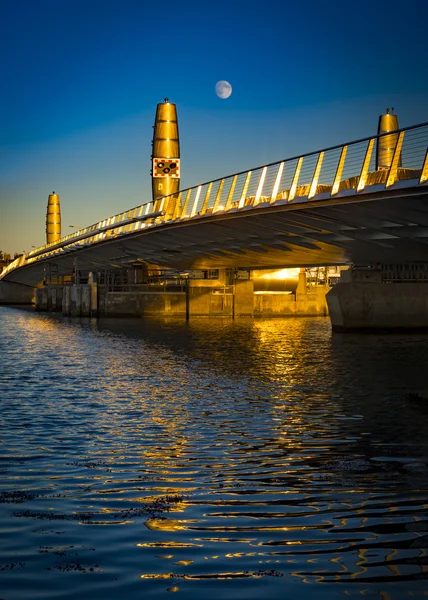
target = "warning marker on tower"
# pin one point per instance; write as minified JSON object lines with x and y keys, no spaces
{"x":166,"y":167}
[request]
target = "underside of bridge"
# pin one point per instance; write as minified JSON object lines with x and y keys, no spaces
{"x":387,"y":226}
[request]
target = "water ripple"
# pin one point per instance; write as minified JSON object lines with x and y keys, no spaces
{"x":213,"y":458}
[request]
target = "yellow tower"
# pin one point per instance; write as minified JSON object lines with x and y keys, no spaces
{"x":165,"y":154}
{"x":53,"y":219}
{"x":386,"y":144}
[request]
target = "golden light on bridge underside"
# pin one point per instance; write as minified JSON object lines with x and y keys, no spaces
{"x":278,"y":274}
{"x":275,"y":281}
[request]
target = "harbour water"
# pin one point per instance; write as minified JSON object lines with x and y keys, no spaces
{"x":216,"y":459}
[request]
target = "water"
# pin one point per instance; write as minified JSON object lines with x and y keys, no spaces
{"x":218,"y":459}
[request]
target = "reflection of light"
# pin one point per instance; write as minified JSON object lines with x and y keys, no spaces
{"x":276,"y":293}
{"x":281,"y":274}
{"x":169,"y":545}
{"x":167,"y":524}
{"x":187,"y":576}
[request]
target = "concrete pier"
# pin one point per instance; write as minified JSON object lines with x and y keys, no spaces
{"x":374,"y":299}
{"x":41,"y":299}
{"x":16,"y":293}
{"x":66,"y":300}
{"x":230,"y":295}
{"x":49,"y":298}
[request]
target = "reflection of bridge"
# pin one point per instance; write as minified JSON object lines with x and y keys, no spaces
{"x":325,"y":208}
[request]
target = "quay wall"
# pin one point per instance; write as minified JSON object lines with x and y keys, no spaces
{"x":16,"y":293}
{"x":376,"y":306}
{"x":209,"y":301}
{"x":282,"y":305}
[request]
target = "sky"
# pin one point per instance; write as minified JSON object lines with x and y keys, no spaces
{"x":80,"y":80}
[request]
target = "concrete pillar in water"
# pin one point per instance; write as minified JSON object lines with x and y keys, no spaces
{"x":85,"y":301}
{"x":94,"y":295}
{"x":302,"y":289}
{"x":243,"y":296}
{"x":75,"y":300}
{"x":41,"y":297}
{"x":187,"y":288}
{"x":52,"y":298}
{"x":66,"y":300}
{"x":368,"y":299}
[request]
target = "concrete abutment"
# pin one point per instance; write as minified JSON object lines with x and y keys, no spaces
{"x":16,"y":293}
{"x":371,"y":299}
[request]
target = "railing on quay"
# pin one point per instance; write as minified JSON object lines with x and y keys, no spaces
{"x":334,"y":172}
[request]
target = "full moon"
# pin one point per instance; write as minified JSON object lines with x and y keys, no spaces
{"x":223,"y":89}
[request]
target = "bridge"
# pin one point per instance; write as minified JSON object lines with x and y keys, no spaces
{"x":336,"y":206}
{"x":329,"y":207}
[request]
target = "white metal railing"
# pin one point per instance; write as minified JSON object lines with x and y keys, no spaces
{"x":336,"y":172}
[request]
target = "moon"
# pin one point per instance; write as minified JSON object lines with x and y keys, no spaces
{"x":223,"y":89}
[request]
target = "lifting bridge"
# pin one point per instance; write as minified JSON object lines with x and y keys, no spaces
{"x":330,"y":207}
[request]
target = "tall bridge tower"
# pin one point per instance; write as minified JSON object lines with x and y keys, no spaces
{"x":386,"y":144}
{"x":53,"y":219}
{"x":165,"y":153}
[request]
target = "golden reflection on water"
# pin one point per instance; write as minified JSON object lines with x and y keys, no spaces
{"x":274,"y":438}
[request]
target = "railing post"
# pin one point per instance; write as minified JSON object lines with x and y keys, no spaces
{"x":195,"y":203}
{"x":424,"y":174}
{"x":231,"y":191}
{"x":244,"y":190}
{"x":365,"y":168}
{"x":277,"y":182}
{"x":393,"y":175}
{"x":338,"y":176}
{"x":260,"y":186}
{"x":186,"y":203}
{"x":177,"y":207}
{"x":207,"y":197}
{"x":218,"y":195}
{"x":295,"y":179}
{"x":313,"y":189}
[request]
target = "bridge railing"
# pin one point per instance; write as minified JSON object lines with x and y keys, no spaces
{"x":334,"y":172}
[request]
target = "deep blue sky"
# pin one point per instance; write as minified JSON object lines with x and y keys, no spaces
{"x":80,"y":82}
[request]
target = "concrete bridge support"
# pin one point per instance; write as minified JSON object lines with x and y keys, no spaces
{"x":41,"y":298}
{"x":78,"y":301}
{"x":74,"y":301}
{"x":49,"y":298}
{"x":366,"y":299}
{"x":16,"y":293}
{"x":229,"y":294}
{"x":66,"y":299}
{"x":243,"y":298}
